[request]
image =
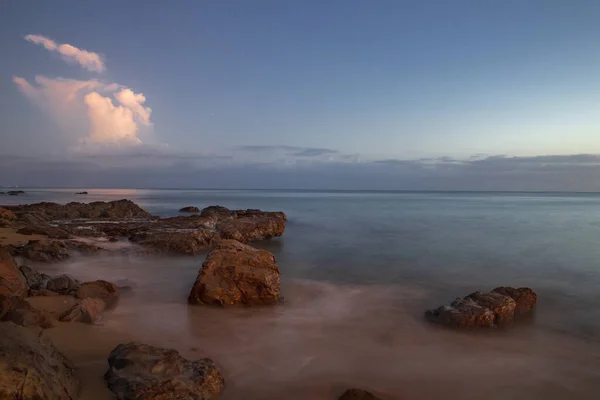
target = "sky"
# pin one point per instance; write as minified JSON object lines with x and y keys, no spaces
{"x":352,"y":94}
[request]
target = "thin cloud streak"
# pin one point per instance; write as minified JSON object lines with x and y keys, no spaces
{"x":86,"y":59}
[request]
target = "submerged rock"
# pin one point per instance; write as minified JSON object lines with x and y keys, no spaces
{"x":12,"y":281}
{"x":236,"y":274}
{"x":86,"y":311}
{"x":19,"y":311}
{"x":189,"y":209}
{"x":31,"y":368}
{"x":63,"y":284}
{"x":484,"y":310}
{"x":140,"y":371}
{"x":103,"y":290}
{"x":358,"y":394}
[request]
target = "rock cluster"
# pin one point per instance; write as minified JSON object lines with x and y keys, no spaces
{"x":236,"y":274}
{"x":7,"y":218}
{"x":497,"y":308}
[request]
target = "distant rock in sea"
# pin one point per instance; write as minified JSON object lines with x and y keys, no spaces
{"x":189,"y":209}
{"x":15,"y":192}
{"x":81,"y":193}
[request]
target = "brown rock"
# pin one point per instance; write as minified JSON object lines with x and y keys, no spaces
{"x":35,"y":280}
{"x":358,"y":394}
{"x":83,"y":247}
{"x":45,"y":250}
{"x":63,"y":284}
{"x":12,"y":281}
{"x":98,"y":209}
{"x":502,"y":306}
{"x":31,"y":368}
{"x":190,"y":209}
{"x":524,"y":297}
{"x":236,"y":274}
{"x":247,"y":229}
{"x":7,"y":218}
{"x":142,"y":372}
{"x":44,"y":230}
{"x":106,"y":291}
{"x":185,"y":242}
{"x":19,"y":311}
{"x":462,"y":313}
{"x":86,"y":311}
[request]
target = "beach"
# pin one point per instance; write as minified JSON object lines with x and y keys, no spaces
{"x":357,"y":272}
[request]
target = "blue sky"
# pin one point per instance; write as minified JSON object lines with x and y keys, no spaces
{"x":278,"y":85}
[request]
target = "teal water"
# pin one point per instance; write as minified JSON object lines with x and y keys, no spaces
{"x":358,"y":269}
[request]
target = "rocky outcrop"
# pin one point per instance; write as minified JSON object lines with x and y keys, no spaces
{"x":358,"y":394}
{"x":142,"y":372}
{"x":86,"y":311}
{"x":189,"y":209}
{"x":34,"y":279}
{"x":103,"y":290}
{"x":98,"y":209}
{"x":183,"y":242}
{"x":17,"y":310}
{"x":7,"y":218}
{"x":63,"y":284}
{"x":236,"y":274}
{"x":44,"y":230}
{"x":45,"y":250}
{"x":483,"y":310}
{"x":15,"y":192}
{"x":524,"y":297}
{"x":31,"y":368}
{"x":12,"y":281}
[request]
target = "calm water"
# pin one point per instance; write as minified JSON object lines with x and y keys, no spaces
{"x":358,"y":269}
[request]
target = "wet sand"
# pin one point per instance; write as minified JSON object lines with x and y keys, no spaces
{"x":324,"y":339}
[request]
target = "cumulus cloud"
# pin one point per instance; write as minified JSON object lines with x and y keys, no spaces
{"x":73,"y":102}
{"x":86,"y":59}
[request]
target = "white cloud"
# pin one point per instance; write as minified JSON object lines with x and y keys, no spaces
{"x":110,"y":123}
{"x":135,"y":102}
{"x":87,"y":59}
{"x":71,"y":102}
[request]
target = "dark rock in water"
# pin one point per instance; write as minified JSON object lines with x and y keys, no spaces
{"x":484,"y":310}
{"x":358,"y":394}
{"x":31,"y":368}
{"x":81,"y":193}
{"x":19,"y":311}
{"x":34,"y":279}
{"x":12,"y":281}
{"x":87,"y":311}
{"x":190,"y":209}
{"x":186,"y":242}
{"x":44,"y":250}
{"x":15,"y":192}
{"x":524,"y":297}
{"x":236,"y":274}
{"x":106,"y":291}
{"x":143,"y":372}
{"x":63,"y":284}
{"x":44,"y":230}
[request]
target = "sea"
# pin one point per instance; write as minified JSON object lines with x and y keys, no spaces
{"x":358,"y":270}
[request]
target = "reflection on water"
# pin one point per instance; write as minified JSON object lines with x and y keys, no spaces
{"x":325,"y":338}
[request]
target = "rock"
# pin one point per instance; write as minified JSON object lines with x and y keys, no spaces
{"x":84,"y":247}
{"x":494,"y":309}
{"x":15,"y":192}
{"x":19,"y":311}
{"x":358,"y":394}
{"x":86,"y":311}
{"x":45,"y":250}
{"x":81,"y":193}
{"x":142,"y":372}
{"x":34,"y":279}
{"x":524,"y":297}
{"x":31,"y":368}
{"x":7,"y":218}
{"x":502,"y":306}
{"x":44,"y":230}
{"x":462,"y":313}
{"x":63,"y":284}
{"x":219,"y":210}
{"x":98,"y":209}
{"x":186,"y":242}
{"x":106,"y":291}
{"x":12,"y":281}
{"x":190,"y":209}
{"x":236,"y":274}
{"x":248,"y":229}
